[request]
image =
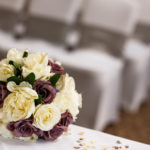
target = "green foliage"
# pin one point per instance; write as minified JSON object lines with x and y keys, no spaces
{"x":14,"y":79}
{"x":39,"y":100}
{"x":25,"y":54}
{"x":54,"y":79}
{"x":30,"y":78}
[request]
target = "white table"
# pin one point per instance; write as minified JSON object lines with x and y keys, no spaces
{"x":94,"y":140}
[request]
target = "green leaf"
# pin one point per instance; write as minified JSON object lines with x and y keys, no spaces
{"x":2,"y":82}
{"x":32,"y":116}
{"x":15,"y":79}
{"x":38,"y":101}
{"x":54,"y":79}
{"x":15,"y":64}
{"x":25,"y":54}
{"x":11,"y":62}
{"x":17,"y":72}
{"x":30,"y":78}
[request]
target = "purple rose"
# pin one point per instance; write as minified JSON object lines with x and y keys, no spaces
{"x":46,"y":90}
{"x":21,"y":128}
{"x":53,"y":134}
{"x":66,"y":120}
{"x":3,"y":94}
{"x":55,"y":68}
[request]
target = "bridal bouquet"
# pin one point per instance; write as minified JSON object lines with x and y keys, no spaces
{"x":37,"y":99}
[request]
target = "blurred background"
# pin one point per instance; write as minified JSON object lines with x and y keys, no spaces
{"x":104,"y":44}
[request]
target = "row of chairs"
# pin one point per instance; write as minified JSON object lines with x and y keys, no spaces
{"x":110,"y":61}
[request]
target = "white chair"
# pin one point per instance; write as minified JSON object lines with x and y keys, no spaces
{"x":120,"y":17}
{"x":105,"y":26}
{"x":9,"y":13}
{"x":101,"y":90}
{"x":108,"y":23}
{"x":54,"y":17}
{"x":143,"y":28}
{"x":138,"y":51}
{"x":144,"y":17}
{"x":136,"y":75}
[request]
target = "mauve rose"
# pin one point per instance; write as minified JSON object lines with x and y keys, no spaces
{"x":66,"y":119}
{"x":55,"y":68}
{"x":46,"y":90}
{"x":53,"y":134}
{"x":21,"y":128}
{"x":3,"y":94}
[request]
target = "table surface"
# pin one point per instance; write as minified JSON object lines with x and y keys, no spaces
{"x":77,"y":138}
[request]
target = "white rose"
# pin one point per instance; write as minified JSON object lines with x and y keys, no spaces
{"x":69,"y":83}
{"x":11,"y":86}
{"x":15,"y":55}
{"x":19,"y":104}
{"x":68,"y":98}
{"x":46,"y":116}
{"x":65,"y":83}
{"x":6,"y":70}
{"x":38,"y":64}
{"x":70,"y":101}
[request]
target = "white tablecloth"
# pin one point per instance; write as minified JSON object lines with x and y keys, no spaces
{"x":91,"y":140}
{"x":105,"y":69}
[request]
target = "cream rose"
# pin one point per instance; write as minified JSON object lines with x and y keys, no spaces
{"x":68,"y":101}
{"x":6,"y":70}
{"x":37,"y":63}
{"x":15,"y":55}
{"x":1,"y":114}
{"x":20,"y":103}
{"x":65,"y":82}
{"x":46,"y":116}
{"x":68,"y":98}
{"x":11,"y":86}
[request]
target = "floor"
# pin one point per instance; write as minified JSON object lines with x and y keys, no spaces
{"x":133,"y":126}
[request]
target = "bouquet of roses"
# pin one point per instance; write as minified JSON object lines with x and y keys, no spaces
{"x":37,"y":99}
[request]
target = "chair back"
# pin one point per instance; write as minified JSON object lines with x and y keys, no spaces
{"x":9,"y":12}
{"x":50,"y":19}
{"x":143,"y":28}
{"x":108,"y":23}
